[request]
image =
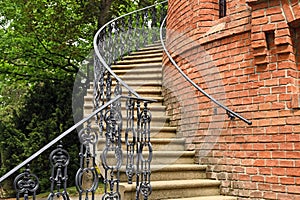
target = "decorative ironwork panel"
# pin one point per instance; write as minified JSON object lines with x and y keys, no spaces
{"x":130,"y":140}
{"x":144,"y":144}
{"x":112,"y":154}
{"x":26,"y":184}
{"x":59,"y":160}
{"x":118,"y":38}
{"x":87,"y":176}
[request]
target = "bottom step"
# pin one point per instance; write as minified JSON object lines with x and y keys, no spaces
{"x":175,"y":189}
{"x":209,"y":198}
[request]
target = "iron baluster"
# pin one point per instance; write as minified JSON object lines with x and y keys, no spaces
{"x":154,"y":24}
{"x":59,"y":160}
{"x":108,"y":86}
{"x":26,"y":184}
{"x":145,"y":187}
{"x":101,"y":101}
{"x":99,"y":96}
{"x":137,"y":31}
{"x":118,"y":91}
{"x":86,"y":179}
{"x":129,"y":40}
{"x":110,"y":45}
{"x":138,"y":142}
{"x":112,"y":154}
{"x":122,"y":38}
{"x":144,"y":24}
{"x":130,"y":140}
{"x":116,"y":31}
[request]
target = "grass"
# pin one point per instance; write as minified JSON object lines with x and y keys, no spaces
{"x":72,"y":191}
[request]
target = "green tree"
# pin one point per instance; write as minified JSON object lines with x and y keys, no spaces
{"x":42,"y":45}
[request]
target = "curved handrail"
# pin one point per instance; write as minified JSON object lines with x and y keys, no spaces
{"x":101,"y":58}
{"x":229,"y":112}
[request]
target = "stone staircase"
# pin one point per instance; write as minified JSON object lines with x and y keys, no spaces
{"x":174,"y":174}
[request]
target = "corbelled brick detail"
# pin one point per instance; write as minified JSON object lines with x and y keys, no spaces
{"x":250,"y":61}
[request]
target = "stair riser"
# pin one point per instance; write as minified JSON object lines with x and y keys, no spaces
{"x":148,"y":95}
{"x":154,"y":112}
{"x":154,"y":133}
{"x":89,"y":105}
{"x":156,"y":160}
{"x":153,"y":55}
{"x":173,"y":175}
{"x":177,"y":193}
{"x":139,"y":61}
{"x":137,"y":66}
{"x":155,"y":146}
{"x":155,"y":121}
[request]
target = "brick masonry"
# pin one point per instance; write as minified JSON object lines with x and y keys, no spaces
{"x":250,"y":61}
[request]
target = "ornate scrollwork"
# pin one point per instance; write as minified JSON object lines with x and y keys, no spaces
{"x":112,"y":154}
{"x":130,"y":140}
{"x":87,"y":176}
{"x":59,"y":160}
{"x":26,"y":184}
{"x":119,"y":38}
{"x":143,"y":164}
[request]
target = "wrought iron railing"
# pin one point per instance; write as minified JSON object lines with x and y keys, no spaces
{"x":26,"y":184}
{"x":231,"y":114}
{"x":120,"y":37}
{"x":114,"y":40}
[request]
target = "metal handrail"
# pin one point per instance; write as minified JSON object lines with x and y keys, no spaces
{"x":100,"y":57}
{"x":229,"y":112}
{"x":57,"y":139}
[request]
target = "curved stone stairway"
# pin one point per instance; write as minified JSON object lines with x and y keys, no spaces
{"x":174,"y":174}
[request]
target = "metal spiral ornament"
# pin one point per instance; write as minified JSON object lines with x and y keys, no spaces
{"x":26,"y":184}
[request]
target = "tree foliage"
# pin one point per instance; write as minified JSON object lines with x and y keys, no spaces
{"x":42,"y":45}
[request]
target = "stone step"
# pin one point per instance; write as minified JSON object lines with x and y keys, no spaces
{"x":175,"y":189}
{"x":138,"y":71}
{"x":138,"y":84}
{"x":141,"y":77}
{"x":151,"y":48}
{"x":140,"y":66}
{"x":143,"y":91}
{"x":173,"y":172}
{"x":88,"y":107}
{"x":158,"y":100}
{"x":219,"y":197}
{"x":160,"y":157}
{"x":137,"y":56}
{"x":156,"y":132}
{"x":147,"y":52}
{"x":172,"y":157}
{"x":139,"y":60}
{"x":158,"y":144}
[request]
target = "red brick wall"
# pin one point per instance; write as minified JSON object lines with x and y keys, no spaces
{"x":249,"y":61}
